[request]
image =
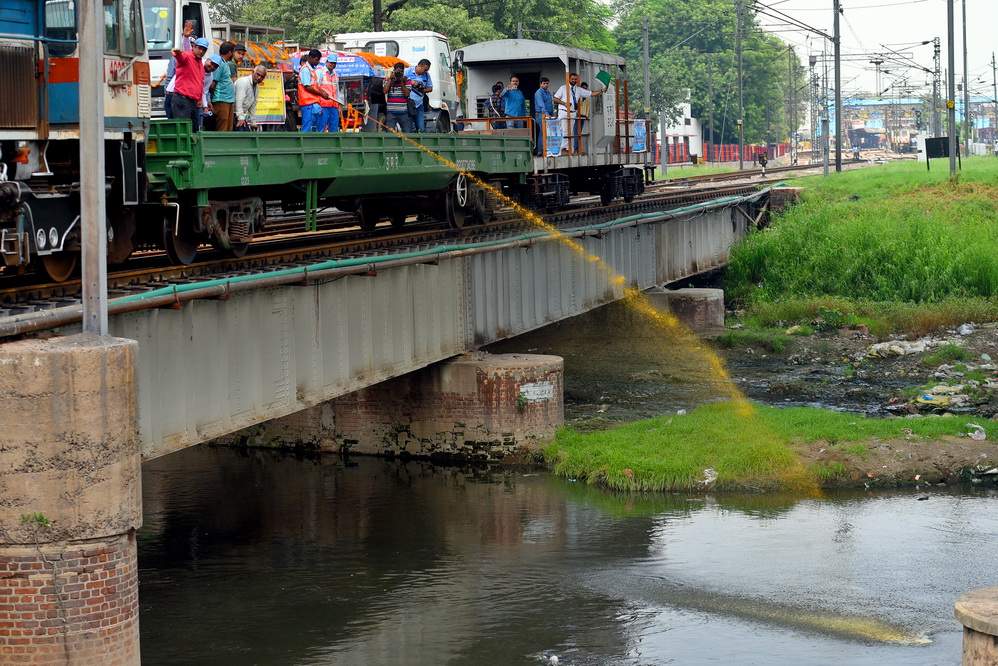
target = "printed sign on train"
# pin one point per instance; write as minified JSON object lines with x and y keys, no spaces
{"x":555,"y":136}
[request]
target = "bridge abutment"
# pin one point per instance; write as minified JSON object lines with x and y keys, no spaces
{"x":476,"y":406}
{"x":70,"y":480}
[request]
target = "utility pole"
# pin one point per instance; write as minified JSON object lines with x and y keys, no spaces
{"x":937,"y":127}
{"x":994,"y":101}
{"x":710,"y":111}
{"x":951,"y":89}
{"x":825,"y":143}
{"x":646,"y":66}
{"x":838,"y":89}
{"x":792,"y":109}
{"x":93,"y":221}
{"x":377,"y":20}
{"x":813,"y":94}
{"x":519,"y":29}
{"x":966,"y":87}
{"x":741,"y":91}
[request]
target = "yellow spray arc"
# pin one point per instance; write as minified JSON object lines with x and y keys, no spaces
{"x":635,"y":299}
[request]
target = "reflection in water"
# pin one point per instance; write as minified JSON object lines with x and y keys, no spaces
{"x":270,"y":559}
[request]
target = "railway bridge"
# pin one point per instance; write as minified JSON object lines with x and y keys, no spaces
{"x":199,"y":360}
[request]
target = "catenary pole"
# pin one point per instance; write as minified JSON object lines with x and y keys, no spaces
{"x":376,"y":17}
{"x":646,"y":65}
{"x":741,"y":91}
{"x":838,"y":88}
{"x":92,"y":216}
{"x":994,"y":101}
{"x":951,"y":88}
{"x":937,"y":127}
{"x":966,"y":87}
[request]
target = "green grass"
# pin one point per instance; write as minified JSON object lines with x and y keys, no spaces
{"x":947,"y":353}
{"x":892,"y":236}
{"x":881,"y":318}
{"x":756,"y":451}
{"x":829,"y":471}
{"x":770,"y":340}
{"x":677,"y":172}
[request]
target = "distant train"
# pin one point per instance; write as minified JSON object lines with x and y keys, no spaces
{"x":168,"y":188}
{"x":39,"y":131}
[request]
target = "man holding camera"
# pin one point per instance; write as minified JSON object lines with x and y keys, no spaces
{"x":420,"y":85}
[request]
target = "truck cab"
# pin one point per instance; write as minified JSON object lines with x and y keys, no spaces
{"x":412,"y":46}
{"x":164,"y":23}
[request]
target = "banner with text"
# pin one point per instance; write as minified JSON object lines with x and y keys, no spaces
{"x":270,"y":98}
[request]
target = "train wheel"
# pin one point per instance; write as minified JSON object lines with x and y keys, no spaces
{"x":238,"y":250}
{"x":59,"y":266}
{"x":179,"y":249}
{"x":456,"y":201}
{"x":367,"y":216}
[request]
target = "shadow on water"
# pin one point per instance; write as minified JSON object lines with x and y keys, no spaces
{"x":255,"y":556}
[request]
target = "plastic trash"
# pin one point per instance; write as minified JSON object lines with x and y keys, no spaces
{"x":965,"y":329}
{"x":977,"y":433}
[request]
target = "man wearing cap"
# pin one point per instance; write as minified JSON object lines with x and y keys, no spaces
{"x":239,"y":60}
{"x":207,"y":119}
{"x":188,"y":89}
{"x":309,"y":92}
{"x":329,"y":82}
{"x":223,"y":93}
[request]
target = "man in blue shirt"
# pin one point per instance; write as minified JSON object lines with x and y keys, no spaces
{"x":514,"y":103}
{"x":419,"y":83}
{"x":543,"y":108}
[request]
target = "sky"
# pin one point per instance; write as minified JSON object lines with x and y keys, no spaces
{"x":866,"y":25}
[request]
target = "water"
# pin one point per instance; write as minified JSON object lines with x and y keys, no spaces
{"x":263,"y":558}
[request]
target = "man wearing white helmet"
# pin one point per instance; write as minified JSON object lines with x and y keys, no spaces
{"x":329,"y":82}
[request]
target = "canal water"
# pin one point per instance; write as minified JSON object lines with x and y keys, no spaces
{"x":266,"y":558}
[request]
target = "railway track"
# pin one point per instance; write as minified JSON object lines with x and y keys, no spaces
{"x":338,"y":237}
{"x":752,"y":173}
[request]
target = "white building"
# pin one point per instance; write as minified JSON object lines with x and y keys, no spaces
{"x":685,"y":131}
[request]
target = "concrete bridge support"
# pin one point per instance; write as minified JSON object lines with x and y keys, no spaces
{"x":70,"y":485}
{"x":476,"y":406}
{"x":977,"y":611}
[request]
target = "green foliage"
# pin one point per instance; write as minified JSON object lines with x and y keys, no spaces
{"x":577,"y":23}
{"x":756,"y":450}
{"x":692,"y":46}
{"x":773,"y":341}
{"x":36,"y":519}
{"x":829,"y":471}
{"x":891,"y":234}
{"x":947,"y":353}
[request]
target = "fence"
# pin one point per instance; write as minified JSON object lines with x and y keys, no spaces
{"x":679,"y":153}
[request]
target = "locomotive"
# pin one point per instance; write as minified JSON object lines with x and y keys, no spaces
{"x":39,"y":131}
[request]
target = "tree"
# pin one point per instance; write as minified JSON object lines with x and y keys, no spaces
{"x":692,"y":48}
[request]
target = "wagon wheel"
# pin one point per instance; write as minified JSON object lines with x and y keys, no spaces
{"x":59,"y":266}
{"x":461,"y":190}
{"x":179,"y":248}
{"x":367,"y":215}
{"x":398,"y":220}
{"x":454,"y":212}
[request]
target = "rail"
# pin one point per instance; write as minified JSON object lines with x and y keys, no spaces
{"x":221,"y":288}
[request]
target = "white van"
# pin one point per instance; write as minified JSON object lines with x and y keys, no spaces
{"x":412,"y":46}
{"x":164,"y":21}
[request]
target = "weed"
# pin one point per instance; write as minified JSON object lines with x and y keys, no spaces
{"x":859,"y":449}
{"x":521,"y":403}
{"x":802,"y":330}
{"x":36,"y":519}
{"x":773,"y":341}
{"x":947,"y":353}
{"x":829,"y":471}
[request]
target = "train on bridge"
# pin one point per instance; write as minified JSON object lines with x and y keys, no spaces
{"x":174,"y":190}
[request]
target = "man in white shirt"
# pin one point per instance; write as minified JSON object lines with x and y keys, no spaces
{"x":567,"y":103}
{"x":247,"y":92}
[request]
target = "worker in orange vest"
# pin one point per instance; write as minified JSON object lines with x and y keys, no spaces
{"x":309,"y":93}
{"x":329,"y":83}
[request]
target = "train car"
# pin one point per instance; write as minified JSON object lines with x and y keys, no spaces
{"x":612,"y":149}
{"x":213,"y":187}
{"x":39,"y":131}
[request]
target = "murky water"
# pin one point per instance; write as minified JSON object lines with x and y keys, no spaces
{"x":263,"y":558}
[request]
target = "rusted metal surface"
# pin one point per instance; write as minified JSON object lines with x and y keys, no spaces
{"x":17,"y":73}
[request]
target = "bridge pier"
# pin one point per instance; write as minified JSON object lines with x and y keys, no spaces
{"x":70,"y":480}
{"x":476,"y":406}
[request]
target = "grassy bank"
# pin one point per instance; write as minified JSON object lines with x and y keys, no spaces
{"x":675,"y":172}
{"x":891,"y":247}
{"x":760,"y":451}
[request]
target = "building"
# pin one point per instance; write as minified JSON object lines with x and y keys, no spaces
{"x":685,"y":132}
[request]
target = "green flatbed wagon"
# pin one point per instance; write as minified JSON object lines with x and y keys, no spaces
{"x":221,"y":181}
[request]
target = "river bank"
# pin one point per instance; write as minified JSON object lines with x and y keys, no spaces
{"x":868,"y":307}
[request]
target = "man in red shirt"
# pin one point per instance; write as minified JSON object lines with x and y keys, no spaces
{"x":189,"y":87}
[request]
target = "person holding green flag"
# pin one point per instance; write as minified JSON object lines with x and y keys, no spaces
{"x":568,"y":105}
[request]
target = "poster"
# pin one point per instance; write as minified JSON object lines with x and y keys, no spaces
{"x":639,"y":142}
{"x":270,"y":98}
{"x":555,"y":136}
{"x":609,"y":110}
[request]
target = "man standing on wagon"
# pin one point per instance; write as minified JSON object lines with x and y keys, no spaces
{"x":329,"y":82}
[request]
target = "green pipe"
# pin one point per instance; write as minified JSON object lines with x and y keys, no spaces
{"x":441,"y":249}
